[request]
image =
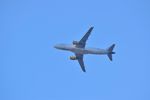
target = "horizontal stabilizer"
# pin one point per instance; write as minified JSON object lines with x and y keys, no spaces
{"x":110,"y":51}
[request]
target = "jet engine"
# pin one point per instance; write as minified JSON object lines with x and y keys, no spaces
{"x":75,"y":42}
{"x":73,"y":58}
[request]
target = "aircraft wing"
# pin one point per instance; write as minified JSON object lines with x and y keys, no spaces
{"x":85,"y":37}
{"x":81,"y":62}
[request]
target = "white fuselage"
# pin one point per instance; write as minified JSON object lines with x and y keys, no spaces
{"x":77,"y":50}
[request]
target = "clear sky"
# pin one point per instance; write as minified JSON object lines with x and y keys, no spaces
{"x":31,"y":69}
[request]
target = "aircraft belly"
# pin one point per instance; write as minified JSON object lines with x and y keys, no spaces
{"x":77,"y":50}
{"x":88,"y":51}
{"x":96,"y":52}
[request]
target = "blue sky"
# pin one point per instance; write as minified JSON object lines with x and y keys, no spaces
{"x":31,"y":69}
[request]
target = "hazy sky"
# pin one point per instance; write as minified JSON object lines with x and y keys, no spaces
{"x":31,"y":69}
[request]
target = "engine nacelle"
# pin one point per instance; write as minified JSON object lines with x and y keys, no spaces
{"x":75,"y":42}
{"x":73,"y":58}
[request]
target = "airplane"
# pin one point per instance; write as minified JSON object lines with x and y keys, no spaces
{"x":79,"y":49}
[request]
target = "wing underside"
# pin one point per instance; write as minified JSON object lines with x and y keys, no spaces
{"x":82,"y":42}
{"x":85,"y":37}
{"x":81,"y":62}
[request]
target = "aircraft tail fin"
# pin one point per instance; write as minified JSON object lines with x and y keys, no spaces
{"x":110,"y":51}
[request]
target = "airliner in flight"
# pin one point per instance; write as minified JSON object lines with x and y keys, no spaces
{"x":79,"y":49}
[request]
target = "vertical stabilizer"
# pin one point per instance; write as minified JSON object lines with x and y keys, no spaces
{"x":110,"y":51}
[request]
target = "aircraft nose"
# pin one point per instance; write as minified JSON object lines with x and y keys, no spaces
{"x":57,"y":46}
